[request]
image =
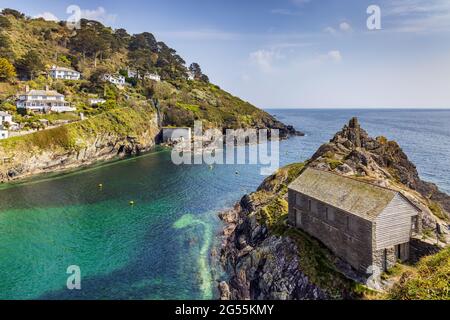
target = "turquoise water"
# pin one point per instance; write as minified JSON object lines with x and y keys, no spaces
{"x":160,"y":247}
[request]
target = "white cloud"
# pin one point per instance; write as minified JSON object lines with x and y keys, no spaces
{"x":330,"y":30}
{"x":300,"y":2}
{"x":418,"y":15}
{"x":264,"y":59}
{"x":99,"y":14}
{"x":202,"y":34}
{"x":345,"y":26}
{"x":47,"y":16}
{"x":334,"y":55}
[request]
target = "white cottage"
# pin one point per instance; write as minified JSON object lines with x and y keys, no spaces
{"x":116,"y":79}
{"x":64,"y":73}
{"x":4,"y":134}
{"x":5,"y":117}
{"x":43,"y":101}
{"x":96,"y":101}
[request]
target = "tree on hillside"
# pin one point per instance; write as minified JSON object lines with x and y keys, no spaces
{"x":5,"y":48}
{"x":30,"y":65}
{"x":144,"y":40}
{"x":197,"y":72}
{"x":14,"y":13}
{"x":121,"y":39}
{"x":93,"y":40}
{"x":7,"y":70}
{"x":4,"y":23}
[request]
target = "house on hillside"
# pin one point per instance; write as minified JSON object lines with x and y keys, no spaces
{"x":190,"y":76}
{"x":116,"y":79}
{"x":363,"y":224}
{"x":148,"y":75}
{"x":96,"y":101}
{"x":152,"y":76}
{"x":43,"y":101}
{"x":5,"y":117}
{"x":176,"y":134}
{"x":4,"y":134}
{"x":64,"y":73}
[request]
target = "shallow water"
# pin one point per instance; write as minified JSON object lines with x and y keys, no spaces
{"x":160,"y":247}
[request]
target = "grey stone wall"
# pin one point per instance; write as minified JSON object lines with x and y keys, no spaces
{"x":347,"y":236}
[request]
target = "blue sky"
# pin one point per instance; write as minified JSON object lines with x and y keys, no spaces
{"x":295,"y":53}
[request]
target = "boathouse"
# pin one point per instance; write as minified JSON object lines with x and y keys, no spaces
{"x":363,"y":224}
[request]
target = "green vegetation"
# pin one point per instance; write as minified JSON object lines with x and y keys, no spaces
{"x":121,"y":122}
{"x":32,"y":46}
{"x":7,"y":70}
{"x":437,"y":210}
{"x":429,"y":281}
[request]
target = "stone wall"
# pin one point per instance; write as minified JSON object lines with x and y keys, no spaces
{"x":347,"y":236}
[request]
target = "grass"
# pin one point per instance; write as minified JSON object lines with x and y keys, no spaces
{"x":121,"y":122}
{"x":429,"y":281}
{"x":437,"y":211}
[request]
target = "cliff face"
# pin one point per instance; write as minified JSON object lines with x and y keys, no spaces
{"x":267,"y":259}
{"x":125,"y":131}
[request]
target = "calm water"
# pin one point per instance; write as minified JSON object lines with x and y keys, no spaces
{"x":160,"y":248}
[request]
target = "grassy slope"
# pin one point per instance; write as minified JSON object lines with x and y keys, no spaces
{"x":182,"y":101}
{"x":429,"y":280}
{"x":315,"y":260}
{"x":121,"y":122}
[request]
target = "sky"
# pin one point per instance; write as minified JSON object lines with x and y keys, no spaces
{"x":294,"y":53}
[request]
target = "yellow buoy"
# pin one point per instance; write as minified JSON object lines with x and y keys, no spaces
{"x":131,"y":203}
{"x":100,"y":185}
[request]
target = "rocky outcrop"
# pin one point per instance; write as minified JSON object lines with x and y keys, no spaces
{"x":261,"y":266}
{"x":353,"y":152}
{"x":265,"y":259}
{"x":27,"y":155}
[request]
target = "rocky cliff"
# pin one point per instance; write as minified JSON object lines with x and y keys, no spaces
{"x":120,"y":132}
{"x":266,"y":259}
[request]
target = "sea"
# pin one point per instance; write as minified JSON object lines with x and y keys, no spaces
{"x":148,"y":232}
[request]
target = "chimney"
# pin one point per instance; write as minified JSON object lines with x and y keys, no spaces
{"x":46,"y":88}
{"x":27,"y":88}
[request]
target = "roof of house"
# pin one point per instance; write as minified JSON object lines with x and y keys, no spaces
{"x":356,"y":197}
{"x":63,"y":69}
{"x":4,"y":114}
{"x":49,"y":93}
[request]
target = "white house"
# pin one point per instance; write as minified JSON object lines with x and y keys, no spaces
{"x":191,"y":75}
{"x":5,"y":117}
{"x":43,"y":101}
{"x":153,"y":76}
{"x":176,"y":134}
{"x":116,"y":79}
{"x":64,"y":73}
{"x":96,"y":101}
{"x":4,"y":134}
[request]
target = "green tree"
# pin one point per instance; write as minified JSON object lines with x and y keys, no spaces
{"x":30,"y":64}
{"x":7,"y":70}
{"x":14,"y":13}
{"x":5,"y":48}
{"x":4,"y":23}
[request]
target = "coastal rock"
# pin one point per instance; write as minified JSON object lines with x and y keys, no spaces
{"x":262,"y":265}
{"x":20,"y":162}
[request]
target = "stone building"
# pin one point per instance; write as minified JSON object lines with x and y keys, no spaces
{"x":363,"y":224}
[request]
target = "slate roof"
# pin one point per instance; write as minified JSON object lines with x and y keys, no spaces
{"x":49,"y":93}
{"x":356,"y":197}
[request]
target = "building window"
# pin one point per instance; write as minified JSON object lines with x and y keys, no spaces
{"x":309,"y":205}
{"x":348,"y":223}
{"x":326,"y":214}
